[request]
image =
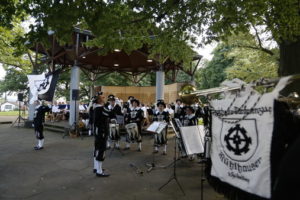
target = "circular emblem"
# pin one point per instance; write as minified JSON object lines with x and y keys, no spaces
{"x":237,"y":140}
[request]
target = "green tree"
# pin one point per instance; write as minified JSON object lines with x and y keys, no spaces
{"x":250,"y":62}
{"x":14,"y":81}
{"x":213,"y":72}
{"x":127,"y":24}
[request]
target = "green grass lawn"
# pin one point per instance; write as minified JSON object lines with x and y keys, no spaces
{"x":11,"y":113}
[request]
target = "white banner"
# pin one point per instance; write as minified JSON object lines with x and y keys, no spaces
{"x":241,"y":142}
{"x":38,"y":84}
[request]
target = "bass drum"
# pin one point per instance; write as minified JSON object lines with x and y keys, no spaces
{"x":132,"y":131}
{"x":114,"y":132}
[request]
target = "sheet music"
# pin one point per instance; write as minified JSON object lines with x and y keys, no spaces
{"x":193,"y":139}
{"x":157,"y":127}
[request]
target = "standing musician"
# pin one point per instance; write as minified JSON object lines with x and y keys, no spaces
{"x":134,"y":117}
{"x":179,"y":110}
{"x":38,"y":122}
{"x":130,"y":98}
{"x":161,"y":138}
{"x":190,"y":119}
{"x":115,"y":110}
{"x":101,"y":119}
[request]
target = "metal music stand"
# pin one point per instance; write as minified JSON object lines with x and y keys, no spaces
{"x":177,"y":136}
{"x":151,"y":166}
{"x":174,"y":175}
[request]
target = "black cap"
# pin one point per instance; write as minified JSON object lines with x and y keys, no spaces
{"x":178,"y":100}
{"x":111,"y":97}
{"x":160,"y":102}
{"x":135,"y":100}
{"x":131,"y":97}
{"x":190,"y":107}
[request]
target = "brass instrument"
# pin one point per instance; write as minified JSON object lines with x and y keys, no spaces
{"x":186,"y":95}
{"x":189,"y":95}
{"x":289,"y":94}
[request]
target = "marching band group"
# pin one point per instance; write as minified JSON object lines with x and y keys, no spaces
{"x":104,"y":120}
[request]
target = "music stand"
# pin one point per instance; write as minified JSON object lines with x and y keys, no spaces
{"x":151,"y":166}
{"x":174,"y":175}
{"x":177,"y":142}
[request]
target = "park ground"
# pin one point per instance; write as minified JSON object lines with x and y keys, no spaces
{"x":63,"y":170}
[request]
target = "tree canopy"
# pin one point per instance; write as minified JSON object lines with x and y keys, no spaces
{"x":238,"y":57}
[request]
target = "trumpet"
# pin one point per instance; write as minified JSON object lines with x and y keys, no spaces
{"x":189,"y":95}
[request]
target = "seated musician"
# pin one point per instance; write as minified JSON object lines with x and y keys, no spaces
{"x":66,"y":111}
{"x":83,"y":114}
{"x":55,"y":112}
{"x":115,"y":110}
{"x":161,"y":138}
{"x":135,"y":116}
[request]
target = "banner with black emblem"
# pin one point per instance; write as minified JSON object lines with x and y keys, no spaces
{"x":242,"y":128}
{"x":42,"y":86}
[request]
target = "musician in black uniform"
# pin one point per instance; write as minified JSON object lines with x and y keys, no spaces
{"x":179,"y":110}
{"x":136,"y":116}
{"x":101,"y":119}
{"x":190,"y":119}
{"x":161,"y":116}
{"x":38,"y":122}
{"x":115,"y":110}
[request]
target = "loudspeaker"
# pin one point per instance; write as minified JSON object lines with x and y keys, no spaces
{"x":20,"y":96}
{"x":75,"y":95}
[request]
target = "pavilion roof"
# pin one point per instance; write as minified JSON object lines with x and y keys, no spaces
{"x":90,"y":58}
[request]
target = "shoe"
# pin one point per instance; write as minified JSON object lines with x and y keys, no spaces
{"x":164,"y":153}
{"x":126,"y":148}
{"x":155,"y":151}
{"x":118,"y":148}
{"x":38,"y":148}
{"x":139,"y":150}
{"x":95,"y":171}
{"x":108,"y":148}
{"x":102,"y":175}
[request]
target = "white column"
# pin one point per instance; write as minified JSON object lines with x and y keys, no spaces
{"x":74,"y":108}
{"x":160,"y":83}
{"x":31,"y":108}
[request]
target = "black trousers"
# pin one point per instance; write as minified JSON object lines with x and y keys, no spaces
{"x":39,"y":129}
{"x":100,"y":146}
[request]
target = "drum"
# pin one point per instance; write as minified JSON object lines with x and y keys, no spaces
{"x":114,"y":131}
{"x":132,"y":131}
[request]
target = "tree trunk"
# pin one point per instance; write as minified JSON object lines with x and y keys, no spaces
{"x":289,"y":58}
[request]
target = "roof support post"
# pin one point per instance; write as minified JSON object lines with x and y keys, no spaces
{"x":74,"y":89}
{"x":160,"y":83}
